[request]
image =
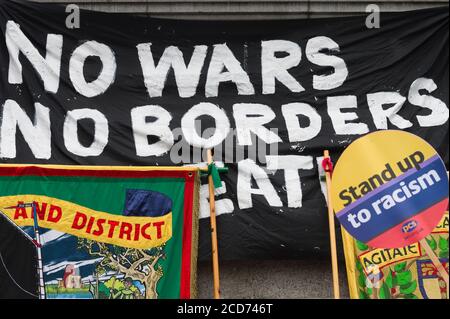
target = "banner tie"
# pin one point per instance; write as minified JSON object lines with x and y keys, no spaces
{"x":327,"y":165}
{"x":215,"y":171}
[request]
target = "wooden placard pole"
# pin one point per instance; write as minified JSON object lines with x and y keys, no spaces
{"x":332,"y":229}
{"x":214,"y":251}
{"x":435,"y":260}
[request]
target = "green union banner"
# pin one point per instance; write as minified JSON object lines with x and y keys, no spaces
{"x":103,"y":232}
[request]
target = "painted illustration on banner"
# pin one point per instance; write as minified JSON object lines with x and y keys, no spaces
{"x":397,"y":273}
{"x":106,"y":233}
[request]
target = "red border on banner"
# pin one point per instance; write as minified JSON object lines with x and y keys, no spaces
{"x":105,"y":172}
{"x":185,"y":279}
{"x":187,"y":174}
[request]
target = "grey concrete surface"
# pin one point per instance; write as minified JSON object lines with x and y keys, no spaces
{"x":271,"y":279}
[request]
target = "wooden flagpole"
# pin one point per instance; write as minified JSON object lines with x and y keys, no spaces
{"x":332,"y":229}
{"x":214,"y":252}
{"x":435,"y":260}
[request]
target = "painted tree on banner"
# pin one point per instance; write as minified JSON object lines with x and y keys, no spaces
{"x":136,"y":264}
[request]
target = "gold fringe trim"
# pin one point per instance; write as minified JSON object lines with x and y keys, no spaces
{"x":350,"y":263}
{"x":109,"y":168}
{"x":195,"y":231}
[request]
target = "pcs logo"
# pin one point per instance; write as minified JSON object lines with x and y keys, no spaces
{"x":409,"y":226}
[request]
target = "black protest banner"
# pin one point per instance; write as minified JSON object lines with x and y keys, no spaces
{"x":268,"y":96}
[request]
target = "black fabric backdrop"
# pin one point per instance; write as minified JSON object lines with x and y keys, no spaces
{"x":408,"y":46}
